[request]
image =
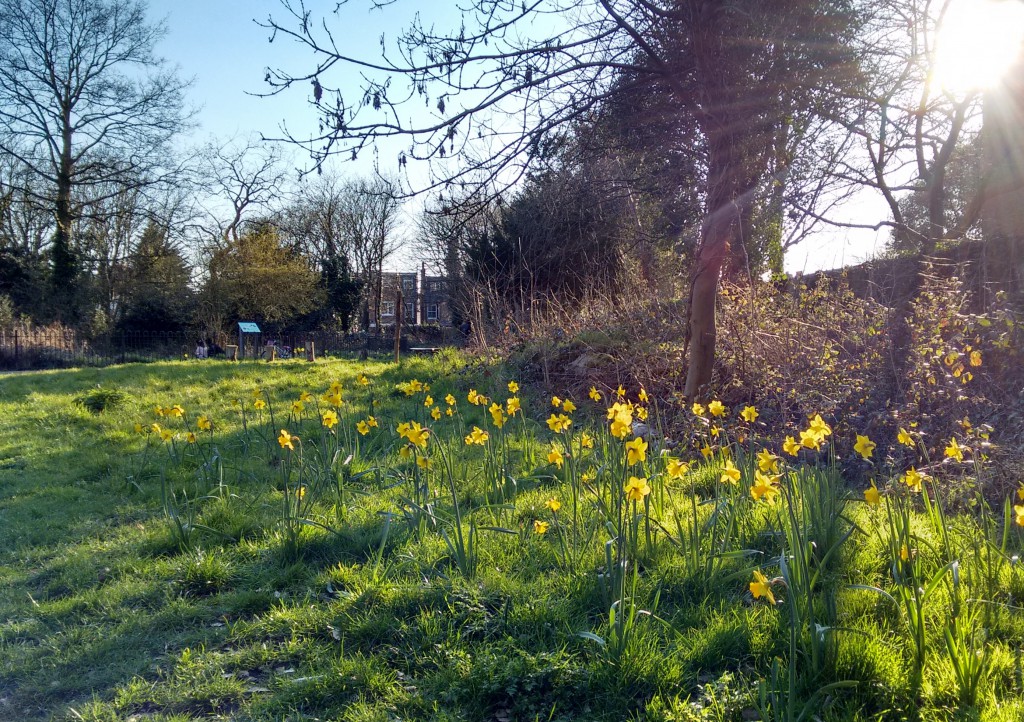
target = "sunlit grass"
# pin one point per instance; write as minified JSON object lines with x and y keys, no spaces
{"x":274,"y":568}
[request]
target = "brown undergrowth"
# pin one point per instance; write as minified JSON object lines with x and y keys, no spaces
{"x":803,"y":348}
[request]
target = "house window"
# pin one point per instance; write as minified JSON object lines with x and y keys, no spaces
{"x":388,"y":308}
{"x":410,"y":313}
{"x":435,"y":285}
{"x":408,"y":285}
{"x":432,"y":312}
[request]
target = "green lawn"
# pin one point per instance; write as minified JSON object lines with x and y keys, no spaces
{"x":527,"y":577}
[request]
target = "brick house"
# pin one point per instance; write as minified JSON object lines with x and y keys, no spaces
{"x":425,"y":298}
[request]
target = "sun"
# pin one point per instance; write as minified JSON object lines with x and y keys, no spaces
{"x":978,"y":41}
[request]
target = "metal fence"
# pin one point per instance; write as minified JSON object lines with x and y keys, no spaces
{"x":34,"y":348}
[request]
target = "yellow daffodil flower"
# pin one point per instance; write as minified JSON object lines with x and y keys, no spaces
{"x":790,"y":446}
{"x":298,"y":407}
{"x":905,"y":438}
{"x":498,"y":417}
{"x":636,"y":451}
{"x":717,"y":408}
{"x":586,"y":441}
{"x":767,"y":462}
{"x":698,"y":409}
{"x":594,"y":394}
{"x":730,"y":474}
{"x":913,"y":479}
{"x":329,"y":418}
{"x":435,"y":413}
{"x":954,"y":450}
{"x":555,"y":457}
{"x":553,"y":504}
{"x":286,"y":440}
{"x":761,"y":587}
{"x":568,"y":406}
{"x":706,"y":451}
{"x":872,"y":496}
{"x":477,"y":437}
{"x":644,"y":398}
{"x":556,"y":402}
{"x":203,"y":423}
{"x":259,"y":404}
{"x":305,"y":397}
{"x":540,"y":527}
{"x":764,"y":487}
{"x":513,"y":387}
{"x":675,"y":468}
{"x":864,"y":446}
{"x":749,"y":414}
{"x":428,"y":401}
{"x":636,"y":488}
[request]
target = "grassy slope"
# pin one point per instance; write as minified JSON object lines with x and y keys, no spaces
{"x":105,"y":616}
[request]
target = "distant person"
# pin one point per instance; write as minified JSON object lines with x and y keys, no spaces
{"x":201,"y":350}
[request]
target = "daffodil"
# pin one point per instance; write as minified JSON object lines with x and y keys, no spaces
{"x":305,"y":397}
{"x":513,"y":405}
{"x":761,"y":587}
{"x":329,"y":418}
{"x":620,"y":392}
{"x":336,"y":387}
{"x":297,"y":407}
{"x":559,"y":423}
{"x":498,"y":417}
{"x":423,"y":462}
{"x":644,"y":398}
{"x":594,"y":394}
{"x":435,"y":413}
{"x":636,"y":451}
{"x":698,"y":409}
{"x":1018,"y":512}
{"x":191,"y":438}
{"x":954,"y":450}
{"x":556,"y":401}
{"x":636,"y":488}
{"x":641,"y":413}
{"x":335,"y":399}
{"x":913,"y":479}
{"x":166,"y":434}
{"x":717,"y":408}
{"x":555,"y":457}
{"x":767,"y":462}
{"x":749,"y":414}
{"x":259,"y":404}
{"x":140,"y":429}
{"x":675,"y":468}
{"x":176,"y":411}
{"x":553,"y":504}
{"x":905,"y":438}
{"x":513,"y":387}
{"x":450,"y":400}
{"x":477,"y":437}
{"x":872,"y":496}
{"x":203,"y":423}
{"x":730,"y":474}
{"x":417,"y":435}
{"x":406,"y":452}
{"x":975,"y":358}
{"x":540,"y":527}
{"x":904,"y":553}
{"x":362,"y":427}
{"x":372,"y":421}
{"x":819,"y":426}
{"x":158,"y":410}
{"x":586,"y":441}
{"x":428,"y":401}
{"x":706,"y":451}
{"x":864,"y":446}
{"x":764,"y":487}
{"x":810,"y":439}
{"x":363,"y":381}
{"x":286,"y":440}
{"x":791,"y":446}
{"x":568,"y":406}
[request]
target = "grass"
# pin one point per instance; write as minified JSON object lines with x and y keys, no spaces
{"x":140,"y":579}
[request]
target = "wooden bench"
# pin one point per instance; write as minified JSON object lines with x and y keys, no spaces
{"x":424,"y":349}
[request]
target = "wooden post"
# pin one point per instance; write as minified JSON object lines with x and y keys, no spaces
{"x":231,"y":352}
{"x":311,"y":351}
{"x":398,"y":324}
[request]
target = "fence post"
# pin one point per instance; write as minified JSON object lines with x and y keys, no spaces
{"x":398,"y":324}
{"x":17,"y":348}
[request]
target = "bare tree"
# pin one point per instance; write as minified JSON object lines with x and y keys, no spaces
{"x":516,"y":73}
{"x":370,"y":211}
{"x":249,"y":177}
{"x":85,"y":105}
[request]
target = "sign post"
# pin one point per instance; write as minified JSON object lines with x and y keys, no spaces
{"x":245,"y":327}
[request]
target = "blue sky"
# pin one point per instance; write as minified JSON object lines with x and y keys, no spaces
{"x":219,"y":44}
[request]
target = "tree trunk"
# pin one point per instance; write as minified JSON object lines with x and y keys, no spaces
{"x":62,"y":257}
